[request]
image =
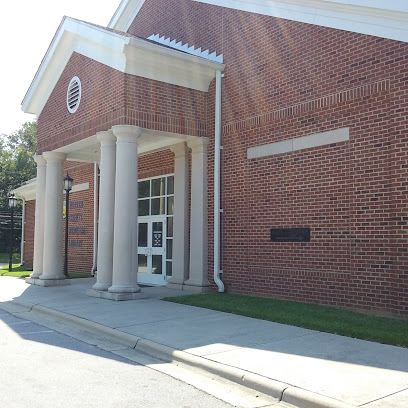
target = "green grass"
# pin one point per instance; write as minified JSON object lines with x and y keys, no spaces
{"x":5,"y":257}
{"x":20,"y":271}
{"x":321,"y":318}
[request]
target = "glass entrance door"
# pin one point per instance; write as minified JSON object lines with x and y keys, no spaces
{"x":152,"y":250}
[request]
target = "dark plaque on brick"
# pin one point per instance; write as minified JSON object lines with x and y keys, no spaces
{"x":290,"y":235}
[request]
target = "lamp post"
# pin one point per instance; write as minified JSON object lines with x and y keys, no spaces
{"x":67,"y":187}
{"x":12,"y":201}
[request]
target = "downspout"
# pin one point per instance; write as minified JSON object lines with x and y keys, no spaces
{"x":22,"y":232}
{"x":217,"y":178}
{"x":95,"y":221}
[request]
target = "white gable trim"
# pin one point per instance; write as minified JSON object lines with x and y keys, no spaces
{"x":387,"y":19}
{"x":123,"y":53}
{"x":125,"y":14}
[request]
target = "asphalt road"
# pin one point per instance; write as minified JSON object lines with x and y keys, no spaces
{"x":41,"y":367}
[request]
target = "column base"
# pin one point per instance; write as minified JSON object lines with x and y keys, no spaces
{"x":171,"y":285}
{"x":124,"y":289}
{"x":101,"y":286}
{"x":35,"y":275}
{"x":43,"y":276}
{"x":47,"y":282}
{"x":196,"y":289}
{"x":115,"y":296}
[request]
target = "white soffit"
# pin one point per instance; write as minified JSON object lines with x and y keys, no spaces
{"x":27,"y":190}
{"x":119,"y":51}
{"x":387,"y":19}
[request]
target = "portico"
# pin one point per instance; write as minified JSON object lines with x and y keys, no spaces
{"x":117,"y":151}
{"x":125,"y":97}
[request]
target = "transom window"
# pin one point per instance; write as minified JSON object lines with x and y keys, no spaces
{"x":156,"y":196}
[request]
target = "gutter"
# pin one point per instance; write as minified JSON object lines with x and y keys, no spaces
{"x":217,"y":178}
{"x":95,"y":222}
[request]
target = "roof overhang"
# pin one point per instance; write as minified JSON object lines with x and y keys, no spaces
{"x":27,"y":190}
{"x":386,"y":19}
{"x":121,"y":52}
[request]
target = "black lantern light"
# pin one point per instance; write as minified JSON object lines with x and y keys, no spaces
{"x":68,"y":181}
{"x":12,"y":201}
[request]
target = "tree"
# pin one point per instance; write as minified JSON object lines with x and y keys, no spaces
{"x":16,"y":167}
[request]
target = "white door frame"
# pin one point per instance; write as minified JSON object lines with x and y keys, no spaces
{"x":148,"y":277}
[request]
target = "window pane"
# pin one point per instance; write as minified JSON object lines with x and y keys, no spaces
{"x":144,"y":189}
{"x":169,"y":249}
{"x":169,"y":226}
{"x":170,"y":185}
{"x":142,"y":242}
{"x":142,"y":263}
{"x":157,"y":206}
{"x":170,"y":205}
{"x":157,"y":235}
{"x":144,"y":207}
{"x":169,"y":268}
{"x":158,"y":186}
{"x":157,"y":265}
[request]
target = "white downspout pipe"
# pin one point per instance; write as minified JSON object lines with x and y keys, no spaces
{"x":22,"y":232}
{"x":95,"y":221}
{"x":217,"y":178}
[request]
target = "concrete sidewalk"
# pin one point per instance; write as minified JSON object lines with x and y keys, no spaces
{"x":299,"y":366}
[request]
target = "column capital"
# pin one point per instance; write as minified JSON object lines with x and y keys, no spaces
{"x":198,"y":145}
{"x":179,"y":149}
{"x":106,"y":137}
{"x":39,"y":159}
{"x":54,"y":157}
{"x":127,"y":133}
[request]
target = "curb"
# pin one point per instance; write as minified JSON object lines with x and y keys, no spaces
{"x":281,"y":391}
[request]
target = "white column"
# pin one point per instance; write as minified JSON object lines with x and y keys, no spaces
{"x":53,"y":262}
{"x":125,"y":256}
{"x":39,"y":217}
{"x":180,"y":223}
{"x":106,"y":210}
{"x":199,"y":215}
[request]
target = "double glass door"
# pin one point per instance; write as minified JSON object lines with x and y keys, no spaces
{"x":152,"y":250}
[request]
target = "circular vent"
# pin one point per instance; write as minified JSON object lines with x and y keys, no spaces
{"x":74,"y":94}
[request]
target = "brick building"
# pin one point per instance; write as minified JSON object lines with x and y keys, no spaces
{"x":260,"y":146}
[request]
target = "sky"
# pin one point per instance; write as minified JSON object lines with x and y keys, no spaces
{"x":27,"y":28}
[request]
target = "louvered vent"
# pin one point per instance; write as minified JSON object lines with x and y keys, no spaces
{"x":74,"y":94}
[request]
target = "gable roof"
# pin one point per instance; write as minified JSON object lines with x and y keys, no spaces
{"x":120,"y":51}
{"x":387,"y":19}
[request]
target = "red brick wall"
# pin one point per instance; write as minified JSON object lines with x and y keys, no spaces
{"x":101,"y":107}
{"x":80,"y":219}
{"x":29,"y":233}
{"x":156,"y":164}
{"x":286,"y":79}
{"x":112,"y":98}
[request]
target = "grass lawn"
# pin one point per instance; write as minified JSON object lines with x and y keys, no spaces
{"x":5,"y":257}
{"x":321,"y":318}
{"x":22,"y":272}
{"x":17,"y":271}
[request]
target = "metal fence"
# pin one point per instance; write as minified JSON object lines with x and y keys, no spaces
{"x":5,"y":226}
